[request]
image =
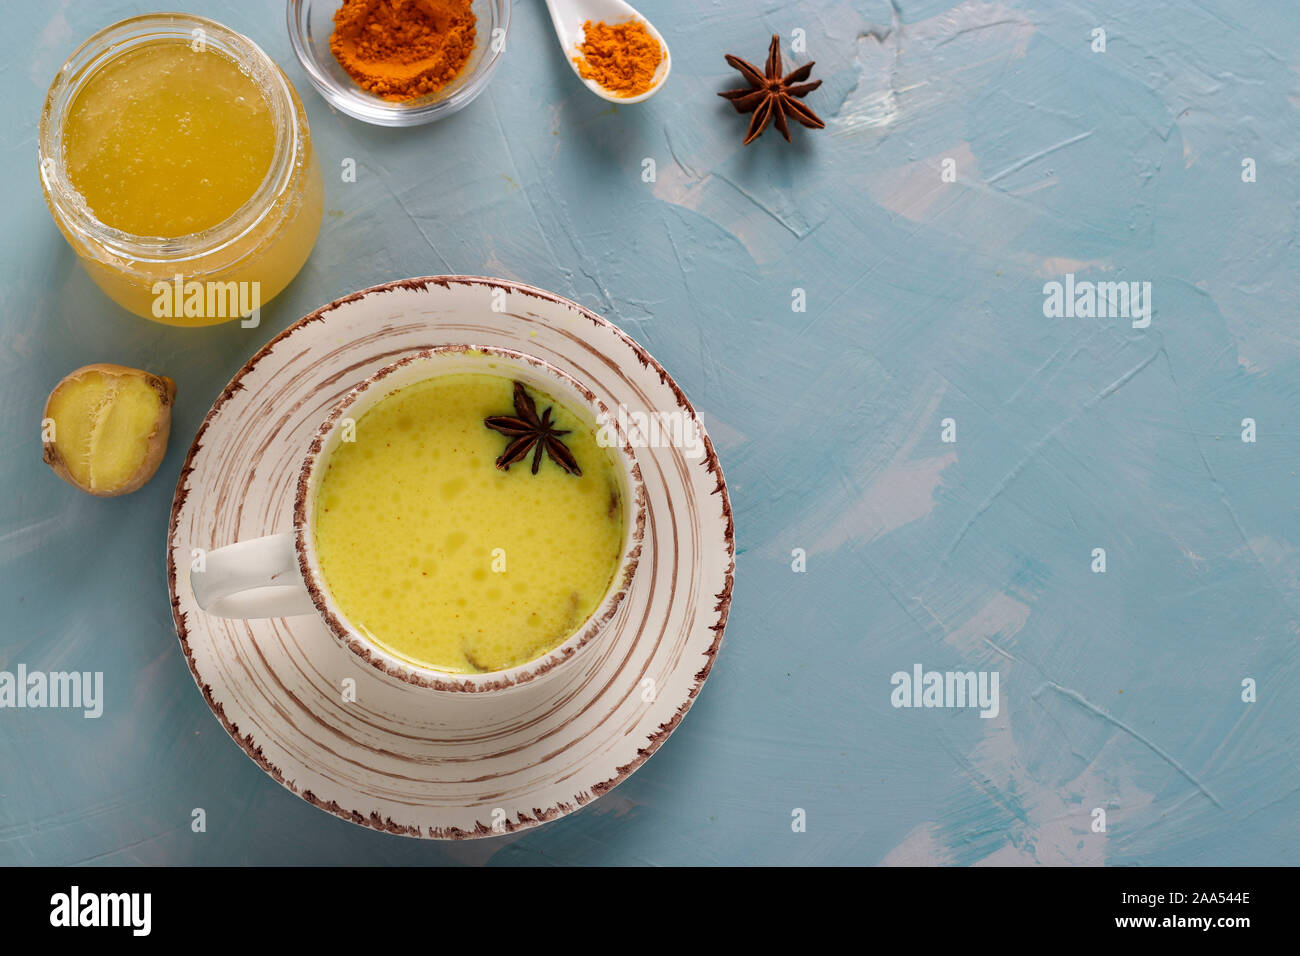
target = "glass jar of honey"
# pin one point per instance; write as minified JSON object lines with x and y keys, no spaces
{"x":176,"y":159}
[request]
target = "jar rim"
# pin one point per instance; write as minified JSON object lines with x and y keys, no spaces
{"x":105,"y":46}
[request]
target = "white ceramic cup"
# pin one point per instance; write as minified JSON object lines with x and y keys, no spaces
{"x":280,"y":576}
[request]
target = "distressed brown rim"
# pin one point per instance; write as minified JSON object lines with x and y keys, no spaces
{"x":652,"y":741}
{"x":495,"y":680}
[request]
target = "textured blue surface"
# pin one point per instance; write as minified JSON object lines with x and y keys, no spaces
{"x":1120,"y":690}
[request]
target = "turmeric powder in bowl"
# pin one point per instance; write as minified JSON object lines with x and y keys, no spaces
{"x":621,"y":57}
{"x":403,"y":49}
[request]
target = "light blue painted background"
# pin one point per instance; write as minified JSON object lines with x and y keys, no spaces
{"x":924,"y":302}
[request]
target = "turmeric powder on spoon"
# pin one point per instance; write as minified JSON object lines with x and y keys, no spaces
{"x":403,"y":49}
{"x":621,"y":57}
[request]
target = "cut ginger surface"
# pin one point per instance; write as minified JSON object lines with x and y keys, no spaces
{"x":106,"y":428}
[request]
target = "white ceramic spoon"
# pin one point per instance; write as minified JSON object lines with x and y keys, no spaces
{"x":568,"y":16}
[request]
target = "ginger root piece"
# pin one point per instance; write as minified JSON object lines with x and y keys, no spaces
{"x":106,"y":428}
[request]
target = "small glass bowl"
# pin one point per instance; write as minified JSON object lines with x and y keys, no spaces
{"x":310,"y":26}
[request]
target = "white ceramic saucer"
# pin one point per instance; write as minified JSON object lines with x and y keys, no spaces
{"x":384,"y":753}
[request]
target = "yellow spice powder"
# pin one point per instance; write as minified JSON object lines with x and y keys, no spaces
{"x":621,"y":57}
{"x":401,"y":49}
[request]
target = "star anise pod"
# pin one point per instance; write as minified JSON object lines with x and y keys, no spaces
{"x":771,"y":96}
{"x":529,"y":432}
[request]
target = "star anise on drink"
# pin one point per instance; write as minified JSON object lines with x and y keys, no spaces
{"x":529,"y":432}
{"x":772,"y":97}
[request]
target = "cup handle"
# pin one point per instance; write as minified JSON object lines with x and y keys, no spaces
{"x":252,"y":579}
